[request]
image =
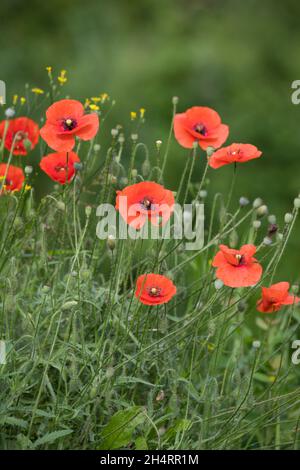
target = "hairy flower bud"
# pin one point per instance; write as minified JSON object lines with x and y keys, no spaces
{"x":288,"y":218}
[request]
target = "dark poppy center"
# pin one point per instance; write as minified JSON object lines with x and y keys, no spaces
{"x":21,"y":136}
{"x":154,"y":291}
{"x":240,"y":259}
{"x":69,"y":124}
{"x":200,"y":128}
{"x":146,"y":203}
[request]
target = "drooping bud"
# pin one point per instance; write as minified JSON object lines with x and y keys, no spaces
{"x":175,"y":100}
{"x":288,"y":218}
{"x":262,"y":211}
{"x":297,"y":203}
{"x":257,"y":202}
{"x":272,"y":219}
{"x":111,"y":242}
{"x":209,"y":151}
{"x":218,"y":284}
{"x":267,"y":241}
{"x":88,"y":211}
{"x":244,"y":201}
{"x":256,"y":224}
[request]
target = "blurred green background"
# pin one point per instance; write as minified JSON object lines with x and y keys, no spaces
{"x":235,"y":56}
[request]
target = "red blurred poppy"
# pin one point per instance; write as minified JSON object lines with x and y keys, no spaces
{"x":154,"y":289}
{"x":21,"y":133}
{"x":237,"y":268}
{"x":142,"y":201}
{"x":200,"y":124}
{"x":11,"y":178}
{"x":60,"y":166}
{"x":238,"y":153}
{"x":65,"y":119}
{"x":275,"y":297}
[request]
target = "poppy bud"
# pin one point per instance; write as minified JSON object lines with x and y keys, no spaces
{"x":160,"y":396}
{"x":279,"y":236}
{"x":121,"y":139}
{"x":272,"y":219}
{"x":262,"y":210}
{"x":111,"y":242}
{"x":218,"y":284}
{"x":243,"y":201}
{"x":28,"y":170}
{"x":61,"y":205}
{"x":288,"y":218}
{"x":88,"y":211}
{"x":97,"y":148}
{"x":209,"y":151}
{"x":175,"y":100}
{"x":256,"y":224}
{"x":295,"y":289}
{"x":9,"y":113}
{"x":134,"y":137}
{"x":114,"y":132}
{"x":134,"y":173}
{"x":267,"y":241}
{"x":203,"y":193}
{"x":297,"y":203}
{"x":257,"y":202}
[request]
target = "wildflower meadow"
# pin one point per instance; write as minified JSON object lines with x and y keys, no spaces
{"x":137,"y":314}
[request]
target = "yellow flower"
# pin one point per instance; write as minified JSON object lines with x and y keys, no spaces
{"x":37,"y":91}
{"x":22,"y":100}
{"x":94,"y":107}
{"x":142,"y":112}
{"x":15,"y":99}
{"x":87,"y":103}
{"x":96,"y":99}
{"x":133,"y":115}
{"x":104,"y":97}
{"x":49,"y":69}
{"x":27,"y":187}
{"x":62,"y":77}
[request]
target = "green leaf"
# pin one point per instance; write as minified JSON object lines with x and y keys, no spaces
{"x":11,"y":420}
{"x":141,"y":443}
{"x":119,"y":430}
{"x":51,"y":437}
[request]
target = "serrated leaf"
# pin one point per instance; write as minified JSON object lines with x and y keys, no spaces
{"x":50,"y":437}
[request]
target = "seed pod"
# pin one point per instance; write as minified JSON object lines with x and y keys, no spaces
{"x":297,"y":203}
{"x":111,"y":242}
{"x":243,"y":201}
{"x":257,"y":202}
{"x":262,"y":210}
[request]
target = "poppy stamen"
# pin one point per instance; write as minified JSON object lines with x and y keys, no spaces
{"x":69,"y":124}
{"x":154,"y":291}
{"x":239,"y":258}
{"x":146,"y":203}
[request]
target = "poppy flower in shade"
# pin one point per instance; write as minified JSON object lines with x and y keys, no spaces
{"x":60,"y":166}
{"x":142,"y":201}
{"x":20,"y":134}
{"x":11,"y":178}
{"x":238,"y":153}
{"x":275,"y":297}
{"x":65,"y":119}
{"x":237,"y":268}
{"x":154,"y":289}
{"x":200,"y":124}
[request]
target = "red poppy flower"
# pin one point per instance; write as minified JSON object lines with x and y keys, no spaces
{"x":276,"y":296}
{"x":11,"y":178}
{"x":200,"y":124}
{"x":239,"y":153}
{"x":21,"y":133}
{"x":154,"y":289}
{"x":65,"y":119}
{"x":146,"y":200}
{"x":237,"y":268}
{"x":60,"y":166}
